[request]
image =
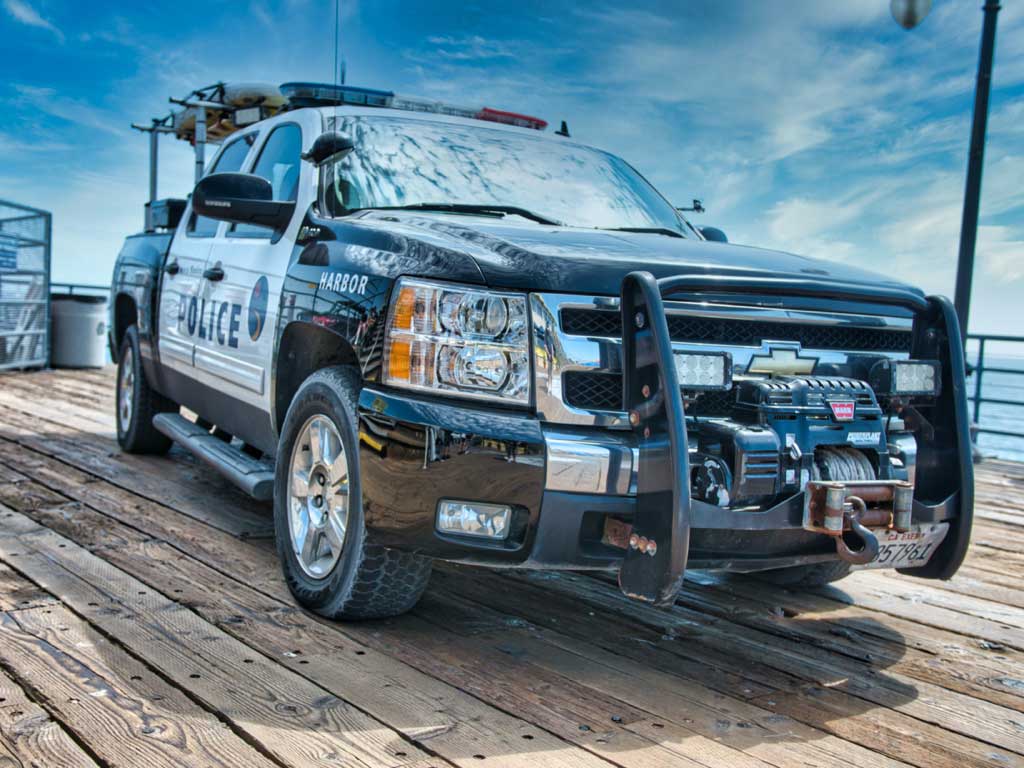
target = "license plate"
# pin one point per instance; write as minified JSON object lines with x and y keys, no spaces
{"x":909,"y":549}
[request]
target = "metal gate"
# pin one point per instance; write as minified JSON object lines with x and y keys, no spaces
{"x":24,"y":286}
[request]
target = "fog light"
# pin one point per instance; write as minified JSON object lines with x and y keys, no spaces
{"x":913,"y":378}
{"x":474,"y":518}
{"x":906,"y":377}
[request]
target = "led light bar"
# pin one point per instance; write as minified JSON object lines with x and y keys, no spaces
{"x":906,"y":377}
{"x":474,"y":518}
{"x":704,"y":370}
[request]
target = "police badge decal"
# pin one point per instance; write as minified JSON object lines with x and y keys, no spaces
{"x":258,"y":307}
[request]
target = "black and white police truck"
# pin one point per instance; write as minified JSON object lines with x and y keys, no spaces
{"x":430,"y":331}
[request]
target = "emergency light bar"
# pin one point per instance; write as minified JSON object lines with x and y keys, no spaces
{"x":324,"y":94}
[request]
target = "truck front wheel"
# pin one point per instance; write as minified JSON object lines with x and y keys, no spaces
{"x":137,"y":402}
{"x":329,"y":562}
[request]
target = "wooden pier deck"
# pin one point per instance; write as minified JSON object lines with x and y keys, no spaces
{"x":145,"y":623}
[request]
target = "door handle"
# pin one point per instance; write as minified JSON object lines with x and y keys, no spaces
{"x":213,"y":274}
{"x":172,"y":267}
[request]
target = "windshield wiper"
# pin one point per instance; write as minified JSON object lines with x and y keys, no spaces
{"x":648,"y":230}
{"x":464,"y":208}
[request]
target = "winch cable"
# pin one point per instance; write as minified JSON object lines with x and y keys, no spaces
{"x":841,"y":463}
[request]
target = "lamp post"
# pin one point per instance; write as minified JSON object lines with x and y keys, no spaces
{"x":972,"y":193}
{"x":908,"y":14}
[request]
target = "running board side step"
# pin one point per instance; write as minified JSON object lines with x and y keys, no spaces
{"x":254,"y":476}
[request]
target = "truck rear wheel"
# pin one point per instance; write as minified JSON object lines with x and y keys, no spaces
{"x":813,"y":575}
{"x":137,"y":402}
{"x":329,"y":562}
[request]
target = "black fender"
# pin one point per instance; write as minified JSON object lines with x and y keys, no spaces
{"x":135,"y":295}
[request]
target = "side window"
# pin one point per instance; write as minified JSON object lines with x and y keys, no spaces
{"x":278,"y":163}
{"x":229,"y":161}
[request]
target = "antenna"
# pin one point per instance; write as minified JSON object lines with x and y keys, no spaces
{"x":337,"y":72}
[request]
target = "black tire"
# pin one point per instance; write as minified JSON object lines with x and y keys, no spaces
{"x":135,"y":430}
{"x":813,"y":575}
{"x":368,"y":581}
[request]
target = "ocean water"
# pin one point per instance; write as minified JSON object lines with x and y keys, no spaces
{"x":1010,"y":418}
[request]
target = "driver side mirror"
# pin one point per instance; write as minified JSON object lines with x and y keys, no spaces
{"x":329,"y":146}
{"x":241,"y":198}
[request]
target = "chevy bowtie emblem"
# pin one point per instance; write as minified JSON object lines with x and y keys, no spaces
{"x":781,"y":358}
{"x":843,"y":410}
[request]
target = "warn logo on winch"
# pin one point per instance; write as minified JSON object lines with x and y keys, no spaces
{"x":843,"y":410}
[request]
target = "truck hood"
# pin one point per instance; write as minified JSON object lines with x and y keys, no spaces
{"x":532,"y":257}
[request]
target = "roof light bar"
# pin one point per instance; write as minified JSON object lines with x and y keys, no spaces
{"x":325,"y":94}
{"x":321,"y":94}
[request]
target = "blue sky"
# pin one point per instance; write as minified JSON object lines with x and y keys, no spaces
{"x":816,"y":127}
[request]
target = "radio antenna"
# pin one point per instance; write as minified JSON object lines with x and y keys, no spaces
{"x":337,"y":71}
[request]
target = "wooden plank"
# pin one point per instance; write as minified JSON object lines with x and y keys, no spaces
{"x":691,"y":713}
{"x":174,"y":480}
{"x":16,"y":594}
{"x":30,"y":738}
{"x":850,"y":698}
{"x":260,"y":698}
{"x":450,"y":721}
{"x":948,"y":662}
{"x":119,"y":708}
{"x":65,"y":482}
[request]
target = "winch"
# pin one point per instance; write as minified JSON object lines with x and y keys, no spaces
{"x":782,"y":433}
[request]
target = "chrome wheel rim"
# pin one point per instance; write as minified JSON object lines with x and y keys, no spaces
{"x":126,"y":390}
{"x":318,"y":497}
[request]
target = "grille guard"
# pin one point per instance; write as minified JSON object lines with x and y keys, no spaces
{"x":656,"y":556}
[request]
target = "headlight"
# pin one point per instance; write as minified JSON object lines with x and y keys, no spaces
{"x":458,"y":340}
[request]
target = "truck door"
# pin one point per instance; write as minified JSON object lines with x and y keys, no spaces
{"x":184,"y":288}
{"x":247,"y":265}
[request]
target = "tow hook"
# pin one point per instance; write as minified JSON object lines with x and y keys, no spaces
{"x":869,"y":551}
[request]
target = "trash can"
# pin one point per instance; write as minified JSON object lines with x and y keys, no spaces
{"x":79,"y":331}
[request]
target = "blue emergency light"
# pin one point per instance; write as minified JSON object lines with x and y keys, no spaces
{"x":324,"y":94}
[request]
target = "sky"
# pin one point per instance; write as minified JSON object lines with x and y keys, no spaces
{"x":820,"y":128}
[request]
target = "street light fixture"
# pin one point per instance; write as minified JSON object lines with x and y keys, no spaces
{"x":910,"y":13}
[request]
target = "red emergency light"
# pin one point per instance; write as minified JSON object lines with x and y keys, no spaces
{"x":511,"y":118}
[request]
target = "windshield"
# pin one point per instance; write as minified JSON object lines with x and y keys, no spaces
{"x":406,"y":162}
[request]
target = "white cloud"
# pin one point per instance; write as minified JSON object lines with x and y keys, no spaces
{"x":26,"y":14}
{"x":469,"y":48}
{"x":1000,"y":250}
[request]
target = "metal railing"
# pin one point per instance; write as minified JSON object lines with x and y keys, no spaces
{"x":81,"y":288}
{"x":24,"y":286}
{"x":978,"y":371}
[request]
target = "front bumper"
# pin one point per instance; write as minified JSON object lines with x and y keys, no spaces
{"x":563,"y":484}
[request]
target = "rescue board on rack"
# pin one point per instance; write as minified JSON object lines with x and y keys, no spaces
{"x":235,"y":96}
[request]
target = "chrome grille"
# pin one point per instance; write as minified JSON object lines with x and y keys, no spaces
{"x":578,"y":350}
{"x":716,"y":330}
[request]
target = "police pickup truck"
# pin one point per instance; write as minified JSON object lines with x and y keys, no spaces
{"x":429,"y":332}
